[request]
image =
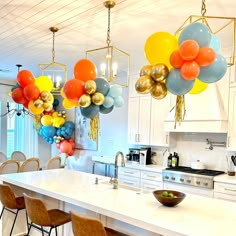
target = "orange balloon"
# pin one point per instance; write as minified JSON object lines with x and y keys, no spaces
{"x":85,"y":70}
{"x":74,"y":89}
{"x":190,"y":70}
{"x":25,"y":77}
{"x":176,"y":60}
{"x":188,"y":50}
{"x":205,"y":56}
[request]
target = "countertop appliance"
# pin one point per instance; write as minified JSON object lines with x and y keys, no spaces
{"x":135,"y":155}
{"x":186,"y":175}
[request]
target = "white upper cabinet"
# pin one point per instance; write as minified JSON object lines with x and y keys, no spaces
{"x":159,"y":111}
{"x":231,"y":141}
{"x":139,"y":120}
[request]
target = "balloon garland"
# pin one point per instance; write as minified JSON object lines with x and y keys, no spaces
{"x":92,"y":95}
{"x":35,"y":95}
{"x":181,"y":65}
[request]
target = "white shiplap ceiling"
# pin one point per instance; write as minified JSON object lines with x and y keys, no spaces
{"x":25,"y":37}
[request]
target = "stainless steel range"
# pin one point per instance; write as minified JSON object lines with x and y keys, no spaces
{"x":188,"y":176}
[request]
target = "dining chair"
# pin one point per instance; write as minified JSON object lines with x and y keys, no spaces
{"x":41,"y":217}
{"x":11,"y":203}
{"x":9,"y":166}
{"x":53,"y":163}
{"x":3,"y":157}
{"x":86,"y":226}
{"x":18,"y":155}
{"x":30,"y":164}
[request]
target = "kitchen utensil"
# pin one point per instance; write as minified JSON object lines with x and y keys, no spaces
{"x":233,"y":158}
{"x":197,"y":165}
{"x":170,"y":201}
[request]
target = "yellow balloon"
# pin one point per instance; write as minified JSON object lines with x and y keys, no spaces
{"x":51,"y":98}
{"x":33,"y":109}
{"x":90,"y":87}
{"x":98,"y":98}
{"x":44,"y":83}
{"x":46,"y":120}
{"x":66,"y":103}
{"x":85,"y":100}
{"x":159,"y":46}
{"x":198,"y":87}
{"x":144,"y":84}
{"x":62,"y":93}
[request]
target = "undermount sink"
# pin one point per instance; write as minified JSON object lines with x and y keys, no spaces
{"x":132,"y":188}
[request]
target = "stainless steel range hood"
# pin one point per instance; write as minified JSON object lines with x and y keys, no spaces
{"x":205,"y":112}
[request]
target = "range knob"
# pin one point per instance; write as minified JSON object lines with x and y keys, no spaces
{"x":198,"y":182}
{"x":166,"y":177}
{"x":181,"y":180}
{"x":188,"y":181}
{"x":173,"y":178}
{"x":205,"y":183}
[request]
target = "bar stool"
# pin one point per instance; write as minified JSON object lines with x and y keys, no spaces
{"x":10,"y":202}
{"x":85,"y":226}
{"x":41,"y":217}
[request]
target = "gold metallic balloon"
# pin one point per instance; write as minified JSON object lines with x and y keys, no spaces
{"x":47,"y":106}
{"x":144,"y":84}
{"x":145,"y":70}
{"x":98,"y":98}
{"x":159,"y":90}
{"x":85,"y":100}
{"x":38,"y":103}
{"x":45,"y":96}
{"x":90,"y":87}
{"x":159,"y":72}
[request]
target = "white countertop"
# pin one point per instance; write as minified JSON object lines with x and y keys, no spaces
{"x":225,"y":179}
{"x":195,"y":216}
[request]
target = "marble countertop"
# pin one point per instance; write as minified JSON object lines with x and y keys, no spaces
{"x":225,"y":179}
{"x":194,"y":216}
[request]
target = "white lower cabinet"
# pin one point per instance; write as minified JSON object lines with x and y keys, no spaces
{"x":147,"y":180}
{"x":225,"y":191}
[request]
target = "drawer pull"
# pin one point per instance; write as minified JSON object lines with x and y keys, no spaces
{"x":152,"y":176}
{"x":130,"y":183}
{"x":149,"y":188}
{"x":230,"y":189}
{"x":128,"y":172}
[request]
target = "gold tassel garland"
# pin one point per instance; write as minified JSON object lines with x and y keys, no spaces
{"x":94,"y":128}
{"x":179,"y":109}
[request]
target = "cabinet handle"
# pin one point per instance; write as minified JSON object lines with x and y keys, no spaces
{"x":167,"y":139}
{"x":130,"y":183}
{"x":138,"y":138}
{"x":230,"y":189}
{"x":149,"y":188}
{"x":135,"y":138}
{"x":152,"y":176}
{"x":228,"y":141}
{"x":128,"y":172}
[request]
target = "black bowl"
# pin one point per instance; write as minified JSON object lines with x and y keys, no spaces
{"x":169,"y":201}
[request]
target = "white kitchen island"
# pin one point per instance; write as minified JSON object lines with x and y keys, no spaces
{"x":124,"y":209}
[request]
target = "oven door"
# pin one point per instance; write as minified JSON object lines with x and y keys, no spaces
{"x":188,"y":189}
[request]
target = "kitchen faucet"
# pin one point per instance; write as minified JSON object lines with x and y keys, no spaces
{"x":115,"y":181}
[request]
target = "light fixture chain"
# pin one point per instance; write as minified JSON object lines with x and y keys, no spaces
{"x":53,"y":50}
{"x":108,"y":28}
{"x":203,"y":10}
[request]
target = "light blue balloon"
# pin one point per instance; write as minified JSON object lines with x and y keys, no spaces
{"x":215,"y":43}
{"x":105,"y":110}
{"x":90,"y":111}
{"x":176,"y":84}
{"x":198,"y":32}
{"x":102,"y":86}
{"x":115,"y":91}
{"x":119,"y":101}
{"x":215,"y":71}
{"x":108,"y":102}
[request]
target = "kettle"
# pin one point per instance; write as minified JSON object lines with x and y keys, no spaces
{"x":197,"y":165}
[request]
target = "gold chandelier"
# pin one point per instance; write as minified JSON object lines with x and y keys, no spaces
{"x":112,"y":63}
{"x":219,"y":26}
{"x":57,"y":72}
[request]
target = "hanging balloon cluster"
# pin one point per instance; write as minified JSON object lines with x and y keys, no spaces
{"x":181,"y":65}
{"x":93,"y":95}
{"x":34,"y":94}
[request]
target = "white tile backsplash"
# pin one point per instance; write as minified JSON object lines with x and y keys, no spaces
{"x":193,"y":146}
